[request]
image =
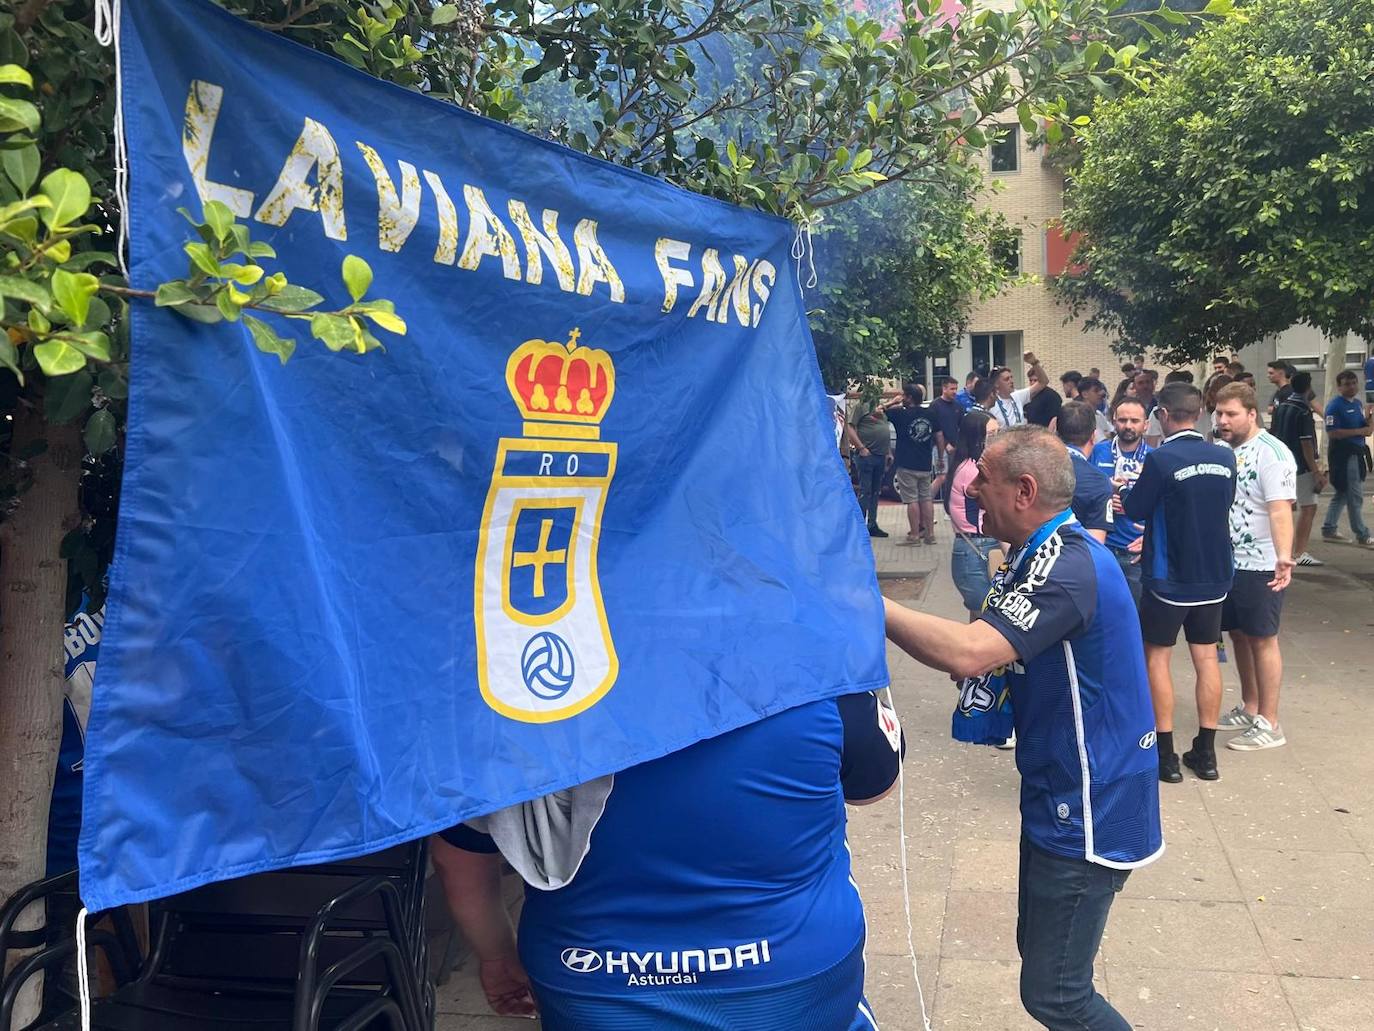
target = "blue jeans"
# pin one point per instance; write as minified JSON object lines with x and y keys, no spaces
{"x":871,"y":468}
{"x":1132,"y":571}
{"x":968,"y":567}
{"x":1061,"y":911}
{"x":1352,"y":498}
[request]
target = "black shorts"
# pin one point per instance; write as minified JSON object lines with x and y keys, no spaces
{"x":1160,"y":622}
{"x":1251,"y":607}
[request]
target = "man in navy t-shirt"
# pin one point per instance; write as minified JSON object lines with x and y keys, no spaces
{"x":1183,"y":496}
{"x":715,"y":891}
{"x":1347,"y":435}
{"x":1061,"y":629}
{"x":1092,"y":492}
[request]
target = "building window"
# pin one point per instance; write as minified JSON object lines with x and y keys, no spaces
{"x":1007,"y":253}
{"x":1005,"y":152}
{"x":989,"y":351}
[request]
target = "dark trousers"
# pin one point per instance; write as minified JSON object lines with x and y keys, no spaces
{"x":1132,"y":571}
{"x":1062,"y":907}
{"x":871,"y":469}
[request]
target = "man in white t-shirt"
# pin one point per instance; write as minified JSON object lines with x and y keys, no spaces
{"x":1008,"y":406}
{"x":1262,"y":543}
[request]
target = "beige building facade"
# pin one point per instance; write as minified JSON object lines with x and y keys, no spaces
{"x":1026,"y":316}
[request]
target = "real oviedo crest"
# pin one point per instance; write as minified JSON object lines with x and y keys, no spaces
{"x":544,"y":649}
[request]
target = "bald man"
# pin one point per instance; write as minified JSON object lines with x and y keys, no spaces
{"x":1061,"y":630}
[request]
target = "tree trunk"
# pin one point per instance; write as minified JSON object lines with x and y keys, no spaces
{"x":1335,"y":363}
{"x":33,"y":586}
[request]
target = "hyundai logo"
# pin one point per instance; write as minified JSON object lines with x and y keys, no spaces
{"x":582,"y":961}
{"x":1148,"y":741}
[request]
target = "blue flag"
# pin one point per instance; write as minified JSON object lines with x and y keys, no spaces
{"x":586,"y":512}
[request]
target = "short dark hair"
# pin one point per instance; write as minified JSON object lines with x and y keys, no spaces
{"x":1128,"y":400}
{"x":914,"y":391}
{"x":1089,"y":383}
{"x":1287,"y":368}
{"x":1179,"y":376}
{"x":1076,"y":423}
{"x":1073,"y":377}
{"x":1347,"y":376}
{"x":971,"y":377}
{"x":1235,"y":368}
{"x":943,"y":381}
{"x":982,"y":390}
{"x":1182,"y":401}
{"x":1224,"y":359}
{"x":1302,"y":383}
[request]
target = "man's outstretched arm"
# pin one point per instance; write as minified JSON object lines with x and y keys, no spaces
{"x":959,"y":649}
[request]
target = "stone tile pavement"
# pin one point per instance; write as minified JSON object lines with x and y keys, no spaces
{"x":1260,"y":915}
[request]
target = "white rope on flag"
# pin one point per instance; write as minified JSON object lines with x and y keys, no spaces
{"x":107,"y":35}
{"x":83,"y":975}
{"x":906,"y":880}
{"x":803,"y":248}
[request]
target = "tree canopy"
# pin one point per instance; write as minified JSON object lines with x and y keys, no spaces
{"x":1232,"y":199}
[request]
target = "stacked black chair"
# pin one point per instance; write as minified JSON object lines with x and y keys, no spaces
{"x":334,"y":947}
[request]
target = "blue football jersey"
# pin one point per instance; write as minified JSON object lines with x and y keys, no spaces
{"x":1118,"y":463}
{"x":1085,"y":737}
{"x":716,"y":889}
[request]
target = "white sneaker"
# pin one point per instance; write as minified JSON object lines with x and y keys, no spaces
{"x":1009,"y":744}
{"x":1236,"y":719}
{"x":1308,"y":559}
{"x":1260,"y":735}
{"x":1335,"y":537}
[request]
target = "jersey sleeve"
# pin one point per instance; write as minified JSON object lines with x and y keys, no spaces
{"x":874,"y":745}
{"x":1279,"y":478}
{"x":1044,"y":609}
{"x":1140,"y":500}
{"x":469,"y":840}
{"x":1095,"y":502}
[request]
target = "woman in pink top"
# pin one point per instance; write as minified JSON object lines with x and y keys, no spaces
{"x":969,"y":562}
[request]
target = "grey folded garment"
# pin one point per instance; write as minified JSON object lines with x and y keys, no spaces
{"x":546,"y":838}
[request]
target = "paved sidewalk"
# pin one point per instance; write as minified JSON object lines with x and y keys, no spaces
{"x":1260,"y":915}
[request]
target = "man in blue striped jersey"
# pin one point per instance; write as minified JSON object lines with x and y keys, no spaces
{"x":1061,"y":627}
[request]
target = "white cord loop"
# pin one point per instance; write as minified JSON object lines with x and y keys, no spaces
{"x":906,"y":881}
{"x":804,"y":249}
{"x":83,"y":975}
{"x":107,"y":14}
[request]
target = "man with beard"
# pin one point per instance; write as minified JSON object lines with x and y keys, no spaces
{"x":1122,"y":458}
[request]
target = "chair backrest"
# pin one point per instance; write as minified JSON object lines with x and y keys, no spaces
{"x":248,"y":931}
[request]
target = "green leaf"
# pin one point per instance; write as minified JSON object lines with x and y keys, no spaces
{"x":357,"y":276}
{"x":228,"y":306}
{"x":200,"y":256}
{"x":1023,"y":112}
{"x":113,"y":385}
{"x":1092,"y":55}
{"x":220,"y":219}
{"x":92,"y":345}
{"x":26,"y":290}
{"x":73,"y":292}
{"x":267,"y":340}
{"x":25,"y":229}
{"x":70,"y":195}
{"x":732,"y":152}
{"x":176,"y":292}
{"x":387,"y":320}
{"x":10,"y":212}
{"x":445,"y":15}
{"x":85,"y":259}
{"x":18,"y":116}
{"x":58,"y":358}
{"x":291,"y":299}
{"x":9,"y":357}
{"x":21,"y":165}
{"x":1171,"y":16}
{"x":258,"y":249}
{"x":334,"y":330}
{"x":1219,"y":7}
{"x":66,"y":397}
{"x":100,"y":432}
{"x":206,"y":313}
{"x":861,"y":159}
{"x":13,"y":75}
